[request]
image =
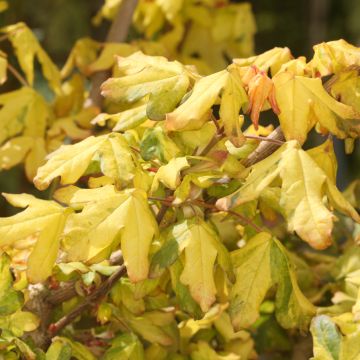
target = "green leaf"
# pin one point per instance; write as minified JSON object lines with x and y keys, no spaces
{"x":326,"y":338}
{"x":253,"y":273}
{"x":195,"y":110}
{"x":78,"y":350}
{"x":19,"y":322}
{"x":59,"y":351}
{"x":125,"y":347}
{"x":262,"y":263}
{"x":155,"y":144}
{"x":10,"y":299}
{"x":165,"y":82}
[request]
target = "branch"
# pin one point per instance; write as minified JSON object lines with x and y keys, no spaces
{"x":17,"y":75}
{"x":91,"y":300}
{"x":168,"y":202}
{"x":266,"y":148}
{"x":68,"y":291}
{"x":118,"y":33}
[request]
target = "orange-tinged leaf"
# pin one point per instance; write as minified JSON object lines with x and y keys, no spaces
{"x":261,"y":88}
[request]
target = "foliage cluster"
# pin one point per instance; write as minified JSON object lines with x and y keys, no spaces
{"x":178,"y":226}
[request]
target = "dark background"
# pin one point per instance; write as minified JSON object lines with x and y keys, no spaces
{"x":297,"y":24}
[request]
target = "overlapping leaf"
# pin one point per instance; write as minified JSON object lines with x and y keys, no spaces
{"x":71,"y":161}
{"x":258,"y":266}
{"x":27,"y":48}
{"x":43,"y":219}
{"x":165,"y":82}
{"x":304,"y":185}
{"x":108,"y":218}
{"x":303,"y":102}
{"x":201,"y":247}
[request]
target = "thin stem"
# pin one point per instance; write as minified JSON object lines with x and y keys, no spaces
{"x":264,"y":138}
{"x":92,"y":299}
{"x":202,"y":203}
{"x":4,"y":37}
{"x":139,"y":152}
{"x":17,"y":75}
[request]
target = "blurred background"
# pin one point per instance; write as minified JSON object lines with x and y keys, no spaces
{"x":296,"y":24}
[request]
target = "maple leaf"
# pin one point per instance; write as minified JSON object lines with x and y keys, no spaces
{"x":43,"y":219}
{"x":332,"y":57}
{"x":23,"y":111}
{"x":304,"y":184}
{"x":71,"y":161}
{"x":303,"y":102}
{"x":272,"y":59}
{"x":107,"y":218}
{"x":165,"y":82}
{"x":27,"y":47}
{"x":196,"y":109}
{"x":262,"y":263}
{"x":29,"y":149}
{"x":201,"y":247}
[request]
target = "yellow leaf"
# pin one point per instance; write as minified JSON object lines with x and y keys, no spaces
{"x":261,"y":264}
{"x":24,"y":111}
{"x":14,"y":151}
{"x":169,"y":174}
{"x":165,"y":82}
{"x":3,"y":5}
{"x":45,"y":252}
{"x":35,"y":158}
{"x":272,"y":59}
{"x":346,"y":87}
{"x":325,"y":158}
{"x":303,"y":102}
{"x":107,"y":218}
{"x":195,"y":111}
{"x":81,"y":56}
{"x":261,"y":175}
{"x":304,"y":184}
{"x":29,"y":222}
{"x":71,"y":161}
{"x":247,"y":291}
{"x":233,"y":98}
{"x":27,"y":47}
{"x":107,"y":11}
{"x":201,"y":249}
{"x":333,"y":57}
{"x":107,"y":57}
{"x":43,"y":219}
{"x":3,"y":67}
{"x":124,"y":120}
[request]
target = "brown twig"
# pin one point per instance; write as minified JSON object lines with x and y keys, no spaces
{"x":265,"y":138}
{"x":118,"y":33}
{"x":198,"y":202}
{"x":266,"y":148}
{"x":91,"y":300}
{"x":68,"y":291}
{"x":17,"y":75}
